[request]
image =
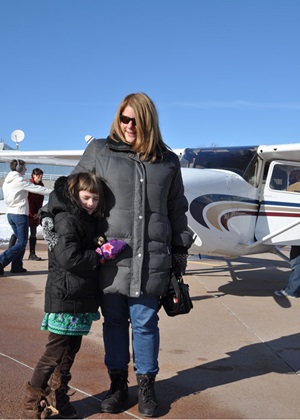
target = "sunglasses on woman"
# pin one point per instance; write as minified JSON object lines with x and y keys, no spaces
{"x":126,"y":120}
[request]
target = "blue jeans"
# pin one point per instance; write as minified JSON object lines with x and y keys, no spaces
{"x":14,"y":255}
{"x":118,"y":311}
{"x":293,"y":285}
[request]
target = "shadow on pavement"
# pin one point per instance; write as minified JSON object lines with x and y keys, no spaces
{"x":247,"y":362}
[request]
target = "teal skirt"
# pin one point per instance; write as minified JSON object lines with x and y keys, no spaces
{"x":68,"y":324}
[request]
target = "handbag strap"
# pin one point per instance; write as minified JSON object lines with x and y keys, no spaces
{"x":175,"y":283}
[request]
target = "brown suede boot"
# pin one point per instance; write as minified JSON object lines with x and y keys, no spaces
{"x":58,"y":397}
{"x":35,"y":403}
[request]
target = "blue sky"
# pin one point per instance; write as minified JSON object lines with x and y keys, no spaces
{"x":221,"y":72}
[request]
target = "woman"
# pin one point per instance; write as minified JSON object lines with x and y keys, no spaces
{"x":15,"y":191}
{"x":147,"y":206}
{"x":35,"y":202}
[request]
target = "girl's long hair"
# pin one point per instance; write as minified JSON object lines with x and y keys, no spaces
{"x":149,"y":140}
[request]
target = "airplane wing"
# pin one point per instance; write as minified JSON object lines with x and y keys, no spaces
{"x":280,"y":151}
{"x":51,"y":157}
{"x":47,"y":157}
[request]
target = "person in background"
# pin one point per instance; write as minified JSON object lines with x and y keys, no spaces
{"x":292,"y":289}
{"x":15,"y":190}
{"x":35,"y":203}
{"x":146,"y":208}
{"x":72,"y":294}
{"x":294,"y":181}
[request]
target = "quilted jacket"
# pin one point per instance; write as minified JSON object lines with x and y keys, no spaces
{"x":146,"y":208}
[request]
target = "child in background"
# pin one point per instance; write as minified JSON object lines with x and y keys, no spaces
{"x":72,"y":291}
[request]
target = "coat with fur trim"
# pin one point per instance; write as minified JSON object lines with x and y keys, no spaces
{"x":73,"y":279}
{"x":147,"y":209}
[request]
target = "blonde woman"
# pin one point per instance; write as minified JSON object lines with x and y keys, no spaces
{"x":147,"y":209}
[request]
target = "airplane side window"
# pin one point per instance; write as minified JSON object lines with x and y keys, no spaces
{"x":285,"y":178}
{"x":279,"y":178}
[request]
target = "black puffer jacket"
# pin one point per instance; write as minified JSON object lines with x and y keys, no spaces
{"x":147,"y":209}
{"x":73,"y":280}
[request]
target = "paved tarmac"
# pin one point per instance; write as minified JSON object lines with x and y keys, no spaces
{"x":235,"y":356}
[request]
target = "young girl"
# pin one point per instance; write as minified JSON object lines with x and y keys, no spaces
{"x":72,"y":291}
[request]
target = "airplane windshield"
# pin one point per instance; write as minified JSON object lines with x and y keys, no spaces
{"x":235,"y":159}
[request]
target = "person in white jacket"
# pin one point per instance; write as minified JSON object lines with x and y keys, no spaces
{"x":15,"y":190}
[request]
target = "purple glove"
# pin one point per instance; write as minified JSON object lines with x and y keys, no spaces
{"x":111,"y":249}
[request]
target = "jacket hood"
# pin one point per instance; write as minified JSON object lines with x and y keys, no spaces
{"x":61,"y":190}
{"x":12,"y":175}
{"x":60,"y":200}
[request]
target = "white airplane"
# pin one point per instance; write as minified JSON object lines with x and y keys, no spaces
{"x":239,"y":202}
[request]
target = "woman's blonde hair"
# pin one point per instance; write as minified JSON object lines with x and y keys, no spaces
{"x":86,"y":181}
{"x":149,"y":139}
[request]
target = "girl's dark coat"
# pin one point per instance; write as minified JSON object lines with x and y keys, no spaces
{"x":73,"y":280}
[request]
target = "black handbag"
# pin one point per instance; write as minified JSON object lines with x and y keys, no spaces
{"x":177,"y":300}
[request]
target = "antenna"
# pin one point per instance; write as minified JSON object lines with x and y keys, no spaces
{"x":88,"y":138}
{"x":17,"y":136}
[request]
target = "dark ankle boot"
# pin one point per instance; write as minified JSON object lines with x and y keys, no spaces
{"x":35,"y":404}
{"x":58,"y":396}
{"x":146,"y":395}
{"x":32,"y":255}
{"x":118,"y":393}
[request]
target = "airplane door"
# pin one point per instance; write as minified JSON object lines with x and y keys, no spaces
{"x":278,"y":220}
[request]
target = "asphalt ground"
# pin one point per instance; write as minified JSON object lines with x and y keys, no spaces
{"x":235,"y":356}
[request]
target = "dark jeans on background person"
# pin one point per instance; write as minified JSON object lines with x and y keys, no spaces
{"x":117,"y":311}
{"x":293,"y":285}
{"x":14,"y":255}
{"x":60,"y":352}
{"x":12,"y":240}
